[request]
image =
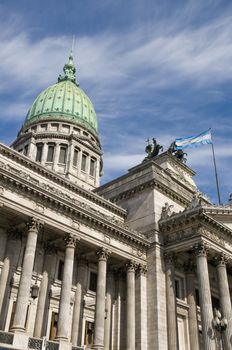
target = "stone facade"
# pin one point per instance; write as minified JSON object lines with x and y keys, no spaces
{"x":136,"y":264}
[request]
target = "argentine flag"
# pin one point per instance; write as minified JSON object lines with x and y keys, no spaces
{"x":194,"y":141}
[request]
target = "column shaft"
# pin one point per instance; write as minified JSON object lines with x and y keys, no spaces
{"x":225,"y":302}
{"x":171,"y":303}
{"x":108,"y":319}
{"x":12,"y":254}
{"x":78,"y":305}
{"x":130,"y":302}
{"x":192,"y":312}
{"x":205,"y":298}
{"x":41,"y":319}
{"x":98,"y":340}
{"x":65,"y":295}
{"x":25,"y":280}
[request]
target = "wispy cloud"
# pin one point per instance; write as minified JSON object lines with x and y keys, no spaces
{"x":157,"y":78}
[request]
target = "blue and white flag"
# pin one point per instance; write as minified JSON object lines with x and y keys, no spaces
{"x":194,"y":141}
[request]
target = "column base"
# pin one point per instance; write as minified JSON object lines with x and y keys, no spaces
{"x":20,"y":340}
{"x":18,"y":329}
{"x":98,"y":347}
{"x":65,"y":345}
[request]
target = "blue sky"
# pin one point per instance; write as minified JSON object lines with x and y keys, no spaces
{"x":152,"y":68}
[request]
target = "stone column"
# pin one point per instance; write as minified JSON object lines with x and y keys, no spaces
{"x":141,"y":308}
{"x":65,"y":295}
{"x":109,"y":299}
{"x":205,"y":296}
{"x":13,"y":250}
{"x":192,"y":312}
{"x":3,"y":235}
{"x":171,"y":302}
{"x":98,"y":341}
{"x":26,"y":275}
{"x":78,"y":304}
{"x":41,"y":319}
{"x":225,"y":302}
{"x":130,"y":302}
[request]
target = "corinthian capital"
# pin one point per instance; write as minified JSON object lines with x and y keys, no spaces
{"x":70,"y":240}
{"x":221,"y":259}
{"x":131,"y":266}
{"x":201,"y":249}
{"x":103,"y":254}
{"x":34,"y":224}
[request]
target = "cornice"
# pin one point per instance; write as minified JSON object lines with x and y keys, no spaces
{"x":57,"y":179}
{"x":192,"y":224}
{"x":51,"y":197}
{"x":159,"y":185}
{"x":162,"y":180}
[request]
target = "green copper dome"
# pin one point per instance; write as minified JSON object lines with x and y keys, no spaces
{"x":64,"y":100}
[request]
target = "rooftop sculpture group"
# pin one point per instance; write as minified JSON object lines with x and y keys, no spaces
{"x":153,"y":149}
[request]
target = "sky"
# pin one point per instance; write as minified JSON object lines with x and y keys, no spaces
{"x":152,"y":68}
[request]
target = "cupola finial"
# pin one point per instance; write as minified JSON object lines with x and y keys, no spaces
{"x":69,"y":68}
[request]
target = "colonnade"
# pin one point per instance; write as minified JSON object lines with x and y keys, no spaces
{"x":208,"y":331}
{"x":102,"y":326}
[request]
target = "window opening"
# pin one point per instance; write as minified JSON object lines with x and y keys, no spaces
{"x":50,"y":155}
{"x":63,"y":154}
{"x":39,"y":152}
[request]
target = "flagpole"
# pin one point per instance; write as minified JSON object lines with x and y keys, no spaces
{"x":216,"y":175}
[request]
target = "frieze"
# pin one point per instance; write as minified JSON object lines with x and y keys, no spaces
{"x":211,"y":235}
{"x":39,"y":208}
{"x":180,"y":235}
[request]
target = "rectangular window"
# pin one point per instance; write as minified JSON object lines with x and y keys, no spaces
{"x":60,"y":270}
{"x":179,"y":287}
{"x":84,"y":162}
{"x":75,"y":157}
{"x":39,"y":152}
{"x":93,"y":281}
{"x":89,"y":330}
{"x":63,"y":154}
{"x":92,"y":167}
{"x":54,"y":324}
{"x":43,"y":127}
{"x":50,"y":155}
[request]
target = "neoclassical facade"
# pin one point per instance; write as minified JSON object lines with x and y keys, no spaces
{"x":139,"y":263}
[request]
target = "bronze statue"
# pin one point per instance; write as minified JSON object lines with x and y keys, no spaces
{"x":152,"y":149}
{"x":178,"y":153}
